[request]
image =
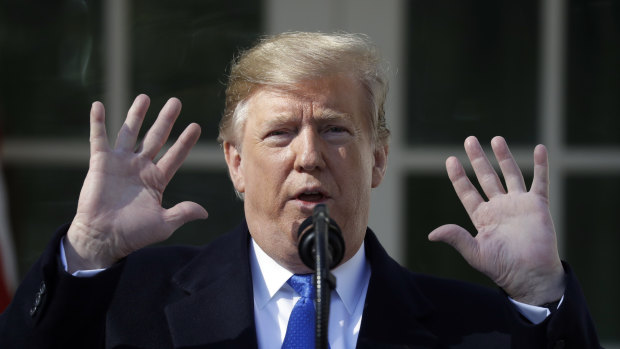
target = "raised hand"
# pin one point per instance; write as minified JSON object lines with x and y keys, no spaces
{"x":515,"y":244}
{"x":119,"y":210}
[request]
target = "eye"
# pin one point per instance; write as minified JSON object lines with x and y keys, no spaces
{"x":336,"y":134}
{"x":336,"y":129}
{"x":278,"y":137}
{"x":276,"y":133}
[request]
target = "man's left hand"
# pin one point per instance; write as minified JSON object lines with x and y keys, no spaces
{"x":516,"y":242}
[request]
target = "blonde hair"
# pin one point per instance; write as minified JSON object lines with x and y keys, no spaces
{"x":283,"y":61}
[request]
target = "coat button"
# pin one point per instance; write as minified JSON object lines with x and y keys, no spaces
{"x":560,"y":344}
{"x":42,"y":288}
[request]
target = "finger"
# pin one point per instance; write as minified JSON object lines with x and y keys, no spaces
{"x":540,"y":183}
{"x":98,"y":135}
{"x":128,"y":134}
{"x":487,"y":177}
{"x":510,"y":170}
{"x":184,"y":212}
{"x":459,"y":238}
{"x":465,"y":190}
{"x":158,"y":134}
{"x":174,"y":157}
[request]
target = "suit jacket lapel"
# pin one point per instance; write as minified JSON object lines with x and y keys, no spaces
{"x":395,"y":308}
{"x":218,"y":309}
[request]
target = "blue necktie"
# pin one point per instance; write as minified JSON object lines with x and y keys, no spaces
{"x":300,"y":331}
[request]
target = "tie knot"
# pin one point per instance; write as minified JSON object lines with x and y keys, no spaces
{"x":302,"y":284}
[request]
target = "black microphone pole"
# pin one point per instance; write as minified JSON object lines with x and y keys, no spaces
{"x":324,"y":280}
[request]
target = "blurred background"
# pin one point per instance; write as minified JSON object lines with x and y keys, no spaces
{"x":545,"y":71}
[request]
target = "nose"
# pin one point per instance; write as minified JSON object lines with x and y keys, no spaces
{"x":308,"y":148}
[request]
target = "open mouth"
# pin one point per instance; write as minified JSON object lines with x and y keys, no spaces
{"x":311,"y":196}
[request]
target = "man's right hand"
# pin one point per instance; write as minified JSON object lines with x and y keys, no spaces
{"x":119,"y":210}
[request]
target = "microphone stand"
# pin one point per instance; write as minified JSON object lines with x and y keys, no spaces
{"x":324,"y":280}
{"x":321,"y":248}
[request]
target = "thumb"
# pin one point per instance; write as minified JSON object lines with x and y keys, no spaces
{"x":184,"y":212}
{"x":457,"y":237}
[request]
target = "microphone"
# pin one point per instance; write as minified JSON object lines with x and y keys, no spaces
{"x":321,"y":248}
{"x":308,"y":232}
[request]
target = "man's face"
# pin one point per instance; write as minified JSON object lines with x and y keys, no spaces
{"x":304,"y":147}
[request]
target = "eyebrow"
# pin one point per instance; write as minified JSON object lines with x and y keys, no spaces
{"x":330,"y":114}
{"x":326,"y":115}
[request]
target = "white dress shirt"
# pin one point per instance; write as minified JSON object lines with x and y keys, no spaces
{"x":274,"y":299}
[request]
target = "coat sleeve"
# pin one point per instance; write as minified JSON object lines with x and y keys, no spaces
{"x":571,"y":326}
{"x":53,"y":309}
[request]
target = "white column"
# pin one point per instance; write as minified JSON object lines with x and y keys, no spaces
{"x":382,"y":21}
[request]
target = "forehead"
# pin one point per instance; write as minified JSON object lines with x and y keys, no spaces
{"x":335,"y":96}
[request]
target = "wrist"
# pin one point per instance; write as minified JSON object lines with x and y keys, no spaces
{"x":543,"y":289}
{"x":85,"y":250}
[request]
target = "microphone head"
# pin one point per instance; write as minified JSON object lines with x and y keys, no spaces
{"x":306,"y":244}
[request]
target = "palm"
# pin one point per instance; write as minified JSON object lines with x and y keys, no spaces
{"x":513,"y":232}
{"x":120,"y":202}
{"x":121,"y":196}
{"x":515,"y":244}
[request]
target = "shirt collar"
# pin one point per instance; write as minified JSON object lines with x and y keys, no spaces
{"x":268,"y":277}
{"x":351,"y":277}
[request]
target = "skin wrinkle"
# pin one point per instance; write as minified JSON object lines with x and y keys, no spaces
{"x":317,"y":137}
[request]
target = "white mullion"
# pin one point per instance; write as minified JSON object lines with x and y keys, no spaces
{"x":551,"y":107}
{"x":116,"y":58}
{"x":75,"y":153}
{"x":425,"y":159}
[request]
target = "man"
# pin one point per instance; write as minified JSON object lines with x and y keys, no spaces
{"x":304,"y":124}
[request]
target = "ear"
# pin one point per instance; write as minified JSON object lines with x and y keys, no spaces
{"x":378,"y":170}
{"x":233,"y":160}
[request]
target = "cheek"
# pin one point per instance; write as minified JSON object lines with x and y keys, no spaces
{"x":266,"y":174}
{"x":357,"y":166}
